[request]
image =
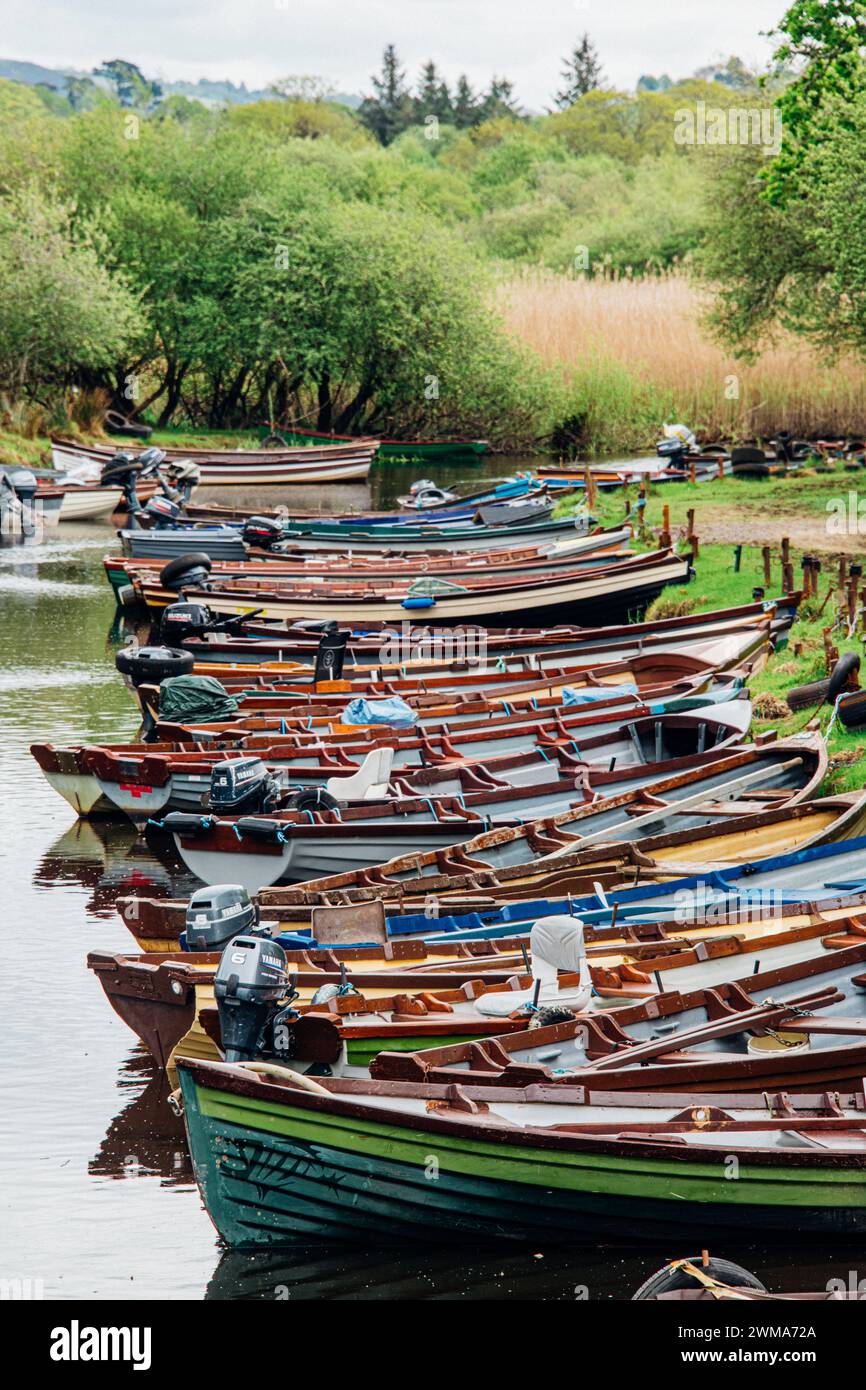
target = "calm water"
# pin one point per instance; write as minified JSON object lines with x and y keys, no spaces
{"x":98,"y":1199}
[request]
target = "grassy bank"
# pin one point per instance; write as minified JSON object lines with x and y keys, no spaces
{"x":719,"y":584}
{"x":634,"y":354}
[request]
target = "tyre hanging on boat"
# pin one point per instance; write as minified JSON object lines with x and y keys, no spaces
{"x":152,"y":665}
{"x":677,"y":1275}
{"x":185,"y":569}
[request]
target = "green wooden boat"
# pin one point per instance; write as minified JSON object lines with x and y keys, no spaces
{"x":283,"y":1161}
{"x":390,"y":450}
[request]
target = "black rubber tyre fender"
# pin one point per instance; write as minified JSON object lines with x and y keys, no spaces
{"x":818,"y":692}
{"x":175,"y":569}
{"x":806,"y":696}
{"x":311,"y":799}
{"x":852,"y":710}
{"x":668,"y":1280}
{"x":275,"y":441}
{"x":153,"y":665}
{"x":846,"y":667}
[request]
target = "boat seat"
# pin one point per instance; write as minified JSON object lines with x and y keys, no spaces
{"x":370,"y":782}
{"x":556,"y":944}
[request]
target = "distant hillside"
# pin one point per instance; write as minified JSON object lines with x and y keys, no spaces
{"x":205,"y":90}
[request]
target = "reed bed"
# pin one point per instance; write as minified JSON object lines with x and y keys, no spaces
{"x":635,"y":352}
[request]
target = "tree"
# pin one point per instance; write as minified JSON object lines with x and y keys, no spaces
{"x":132,"y":87}
{"x":826,"y":41}
{"x":390,"y":110}
{"x":61,"y":311}
{"x":498,"y":101}
{"x":581,"y":74}
{"x":465,"y":104}
{"x":434,"y":98}
{"x":301,"y":88}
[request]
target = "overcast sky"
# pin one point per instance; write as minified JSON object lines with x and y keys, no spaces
{"x":341,"y":40}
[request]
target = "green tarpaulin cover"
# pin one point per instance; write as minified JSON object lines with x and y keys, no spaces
{"x":186,"y":699}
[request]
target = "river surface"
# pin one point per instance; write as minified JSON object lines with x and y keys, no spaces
{"x":98,"y":1200}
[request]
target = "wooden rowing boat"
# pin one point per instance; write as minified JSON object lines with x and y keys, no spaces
{"x":798,"y":1027}
{"x":607,"y":593}
{"x":265,"y":566}
{"x":167,"y":999}
{"x":351,"y":1161}
{"x":143,"y":779}
{"x":245,"y":467}
{"x":388,"y":450}
{"x":323,"y":935}
{"x":608,"y":808}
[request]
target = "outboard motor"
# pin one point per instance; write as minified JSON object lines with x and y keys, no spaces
{"x":182,"y":620}
{"x":262,"y":531}
{"x":330,"y":655}
{"x":123,"y":471}
{"x":674,"y":451}
{"x":183,"y":476}
{"x":253,"y":989}
{"x":214,"y":915}
{"x":163,"y":511}
{"x":120,"y":471}
{"x":242,"y":786}
{"x":23,"y":484}
{"x":149,"y":460}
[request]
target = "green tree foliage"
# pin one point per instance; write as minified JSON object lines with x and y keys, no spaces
{"x":434,"y":98}
{"x":581,"y":73}
{"x":61,"y":310}
{"x":282,"y":255}
{"x":825,"y":40}
{"x":390,"y":110}
{"x":790,"y":253}
{"x":133,"y":89}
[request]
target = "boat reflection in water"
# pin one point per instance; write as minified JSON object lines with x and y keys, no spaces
{"x":146,"y":1139}
{"x":111,"y":860}
{"x":551,"y":1275}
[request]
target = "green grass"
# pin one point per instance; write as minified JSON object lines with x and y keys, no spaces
{"x":17,"y":451}
{"x":718,"y":585}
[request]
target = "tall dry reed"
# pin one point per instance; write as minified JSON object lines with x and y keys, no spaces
{"x":643,"y":340}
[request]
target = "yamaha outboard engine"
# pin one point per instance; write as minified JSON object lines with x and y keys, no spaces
{"x":253,"y":987}
{"x":214,"y":915}
{"x":242,"y":786}
{"x":262,"y":531}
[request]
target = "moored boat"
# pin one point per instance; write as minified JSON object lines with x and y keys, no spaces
{"x":245,"y":467}
{"x":278,"y":1162}
{"x":388,"y":450}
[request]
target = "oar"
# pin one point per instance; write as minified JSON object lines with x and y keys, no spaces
{"x":669,"y":808}
{"x":762,"y":1017}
